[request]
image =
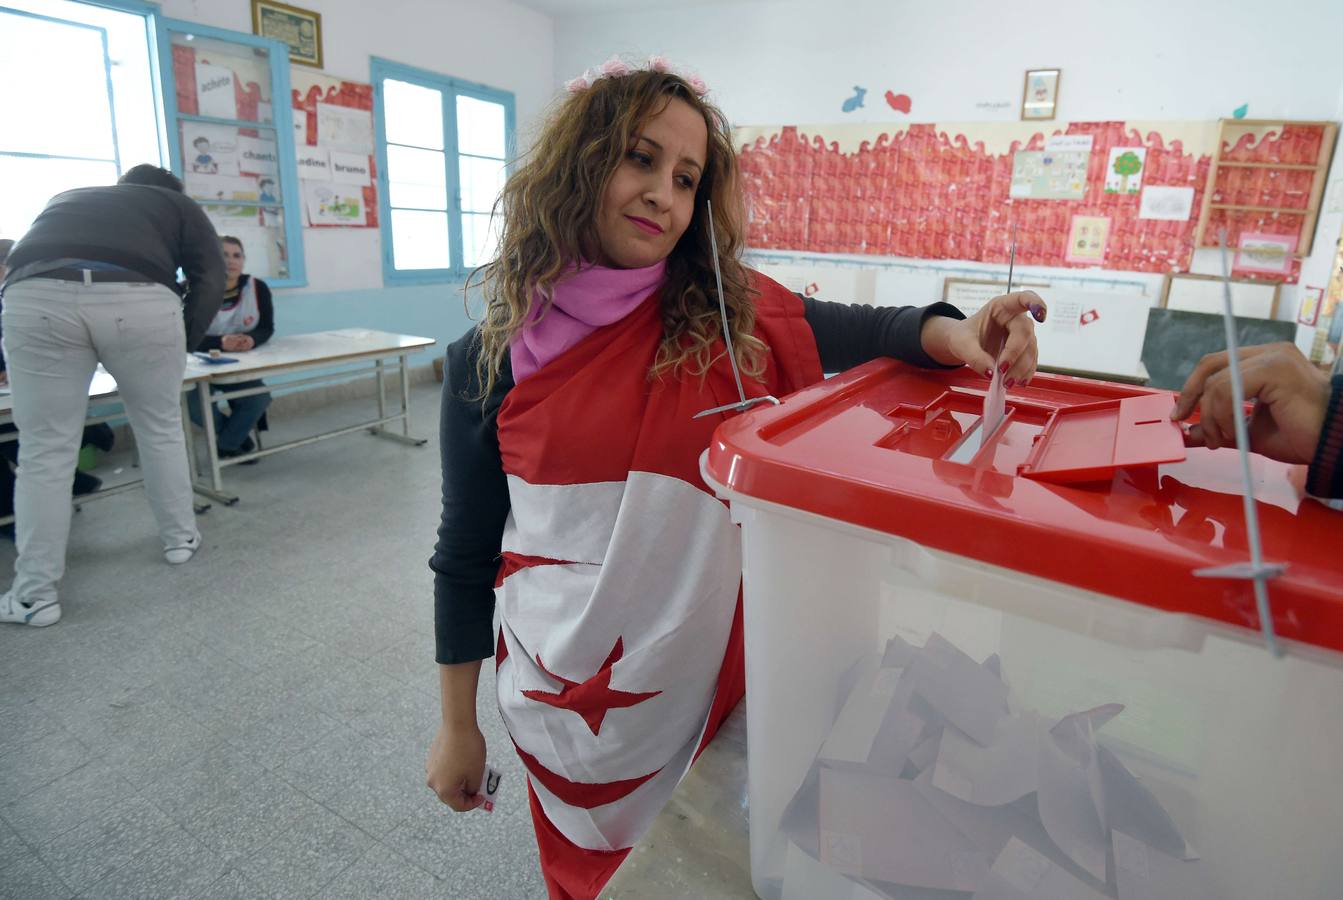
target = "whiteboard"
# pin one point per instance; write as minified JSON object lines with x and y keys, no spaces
{"x":1100,"y":332}
{"x":969,"y":295}
{"x":1093,"y":331}
{"x":1203,"y":293}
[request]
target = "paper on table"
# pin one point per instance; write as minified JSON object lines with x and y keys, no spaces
{"x":1146,"y":874}
{"x":1021,"y":873}
{"x":1068,"y":799}
{"x":960,"y":689}
{"x":1004,"y":771}
{"x":881,"y":828}
{"x":1131,"y":807}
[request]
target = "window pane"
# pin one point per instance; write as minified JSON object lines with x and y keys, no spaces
{"x":55,"y":78}
{"x":261,"y":230}
{"x":29,"y":183}
{"x":412,"y":114}
{"x":420,"y":240}
{"x":235,"y":174}
{"x":416,"y":178}
{"x":480,"y":239}
{"x":480,"y":127}
{"x":482,"y":180}
{"x":221,"y":79}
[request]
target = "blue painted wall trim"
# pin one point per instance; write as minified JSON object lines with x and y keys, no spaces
{"x":428,"y":310}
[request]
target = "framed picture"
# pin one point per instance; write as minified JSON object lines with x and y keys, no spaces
{"x":1266,"y":254}
{"x":301,"y":29}
{"x":1087,"y":239}
{"x":1040,"y":95}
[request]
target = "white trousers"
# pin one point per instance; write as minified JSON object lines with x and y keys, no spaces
{"x":55,"y":334}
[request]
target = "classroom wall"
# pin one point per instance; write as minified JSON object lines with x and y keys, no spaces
{"x":796,"y":61}
{"x":498,"y":43}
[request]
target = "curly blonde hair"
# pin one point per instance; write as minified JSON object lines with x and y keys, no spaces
{"x":548,"y":209}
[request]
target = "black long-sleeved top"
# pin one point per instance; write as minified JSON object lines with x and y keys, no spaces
{"x":1325,"y":476}
{"x":475,"y":490}
{"x":265,"y":325}
{"x":150,"y":230}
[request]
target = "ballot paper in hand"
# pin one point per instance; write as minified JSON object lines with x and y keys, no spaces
{"x":995,"y":405}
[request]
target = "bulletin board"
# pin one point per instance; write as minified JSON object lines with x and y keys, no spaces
{"x":333,"y":140}
{"x":955,"y":191}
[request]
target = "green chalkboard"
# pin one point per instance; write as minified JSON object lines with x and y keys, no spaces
{"x":1177,"y":339}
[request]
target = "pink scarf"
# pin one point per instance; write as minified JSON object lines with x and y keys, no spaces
{"x":582,"y":301}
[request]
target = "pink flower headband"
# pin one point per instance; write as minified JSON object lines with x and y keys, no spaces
{"x":615,"y":67}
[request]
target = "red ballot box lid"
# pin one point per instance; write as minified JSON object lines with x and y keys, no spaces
{"x":1086,"y":483}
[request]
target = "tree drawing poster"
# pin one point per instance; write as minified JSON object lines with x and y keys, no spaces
{"x":1123,"y":174}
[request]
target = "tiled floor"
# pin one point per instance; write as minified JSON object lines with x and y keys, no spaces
{"x":254,"y":723}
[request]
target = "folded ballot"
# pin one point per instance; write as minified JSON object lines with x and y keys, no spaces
{"x":935,"y":781}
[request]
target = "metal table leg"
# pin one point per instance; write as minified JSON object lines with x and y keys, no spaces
{"x":216,"y":489}
{"x":381,"y":431}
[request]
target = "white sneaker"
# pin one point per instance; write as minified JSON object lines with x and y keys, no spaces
{"x":37,"y":615}
{"x":183,"y":552}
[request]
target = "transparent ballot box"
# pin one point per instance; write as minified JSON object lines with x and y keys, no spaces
{"x":1023,"y":665}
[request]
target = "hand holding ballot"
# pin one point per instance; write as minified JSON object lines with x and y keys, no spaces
{"x":1292,"y":397}
{"x":1001,"y":335}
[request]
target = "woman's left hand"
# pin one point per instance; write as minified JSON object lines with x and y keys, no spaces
{"x":1001,"y":334}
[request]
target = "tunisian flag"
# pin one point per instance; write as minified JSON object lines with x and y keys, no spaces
{"x":620,"y":647}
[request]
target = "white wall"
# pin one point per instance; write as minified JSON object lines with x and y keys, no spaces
{"x":795,"y":61}
{"x":493,"y":42}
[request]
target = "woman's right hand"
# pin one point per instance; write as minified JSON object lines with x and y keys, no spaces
{"x":455,"y":765}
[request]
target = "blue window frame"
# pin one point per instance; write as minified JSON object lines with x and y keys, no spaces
{"x":443,"y":150}
{"x":230,"y":139}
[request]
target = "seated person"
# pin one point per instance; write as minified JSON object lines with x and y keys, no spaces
{"x":245,"y":320}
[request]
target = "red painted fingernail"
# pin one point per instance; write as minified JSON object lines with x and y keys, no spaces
{"x":1011,"y":381}
{"x":1003,"y":368}
{"x":988,"y":373}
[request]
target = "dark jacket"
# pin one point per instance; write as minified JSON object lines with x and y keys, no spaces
{"x":150,"y":230}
